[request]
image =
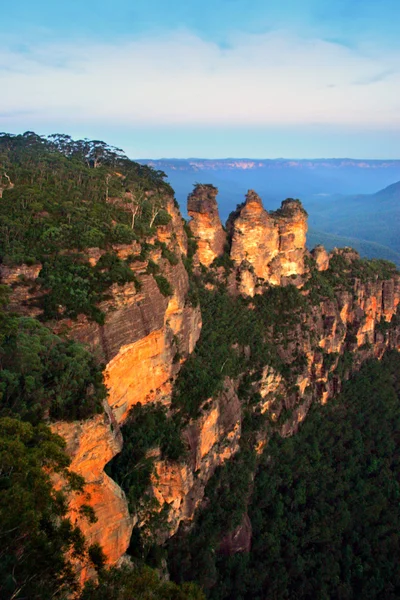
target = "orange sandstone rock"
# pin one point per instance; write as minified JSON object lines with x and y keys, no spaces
{"x":321,"y":257}
{"x":272,"y":243}
{"x":91,"y":444}
{"x":213,"y":438}
{"x":255,"y":238}
{"x":205,"y":224}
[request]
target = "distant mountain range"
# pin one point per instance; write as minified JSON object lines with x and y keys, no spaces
{"x":369,"y":217}
{"x":209,"y":164}
{"x":339,"y":194}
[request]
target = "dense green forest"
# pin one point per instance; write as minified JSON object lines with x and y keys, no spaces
{"x":325,"y":509}
{"x":61,"y":196}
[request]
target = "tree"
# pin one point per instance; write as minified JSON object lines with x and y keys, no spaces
{"x":139,"y":584}
{"x":156,"y":201}
{"x":5,"y":183}
{"x":37,"y":539}
{"x":134,"y":202}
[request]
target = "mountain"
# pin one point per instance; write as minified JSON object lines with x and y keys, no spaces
{"x":364,"y":248}
{"x":150,"y":369}
{"x":373,"y":217}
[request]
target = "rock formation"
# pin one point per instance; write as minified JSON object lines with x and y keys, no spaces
{"x":90,"y":445}
{"x":212,"y":439}
{"x":205,"y":224}
{"x":143,"y":333}
{"x":147,"y":336}
{"x":255,"y":238}
{"x":269,"y":246}
{"x":321,"y":257}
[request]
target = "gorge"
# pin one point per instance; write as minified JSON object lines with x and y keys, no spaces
{"x":212,"y":339}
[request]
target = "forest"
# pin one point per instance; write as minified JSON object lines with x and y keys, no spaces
{"x":325,"y":508}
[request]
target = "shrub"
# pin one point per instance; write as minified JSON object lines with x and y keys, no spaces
{"x":164,"y":285}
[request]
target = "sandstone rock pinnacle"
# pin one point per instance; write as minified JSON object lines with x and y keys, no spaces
{"x":205,"y":223}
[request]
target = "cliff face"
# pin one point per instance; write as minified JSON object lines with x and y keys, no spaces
{"x":205,"y":224}
{"x":140,"y":340}
{"x":90,"y":445}
{"x":142,"y":334}
{"x":267,"y":246}
{"x":143,"y":343}
{"x":211,"y":440}
{"x":147,"y":336}
{"x":349,"y":325}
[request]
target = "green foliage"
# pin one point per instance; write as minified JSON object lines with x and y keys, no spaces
{"x":193,"y":555}
{"x":318,"y":285}
{"x":97,"y":556}
{"x":343,"y":270}
{"x":146,"y":428}
{"x":139,"y":584}
{"x":236,"y":338}
{"x":192,"y":249}
{"x":166,"y":253}
{"x":164,"y":285}
{"x":67,"y":196}
{"x":325,"y":511}
{"x":224,"y":261}
{"x":343,"y":265}
{"x":45,"y":376}
{"x":74,"y":287}
{"x":36,"y":536}
{"x":152,"y":268}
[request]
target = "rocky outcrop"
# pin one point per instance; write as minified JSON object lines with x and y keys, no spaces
{"x":212,"y":439}
{"x":321,"y":257}
{"x":147,"y":335}
{"x":205,"y":224}
{"x":174,"y":230}
{"x":255,"y":238}
{"x":360,"y":324}
{"x":143,"y":333}
{"x":141,"y":338}
{"x":291,"y":220}
{"x":90,"y":445}
{"x":143,"y":342}
{"x":267,"y":247}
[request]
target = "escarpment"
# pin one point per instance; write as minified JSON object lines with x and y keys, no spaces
{"x":91,"y":444}
{"x":148,"y":332}
{"x":293,"y":327}
{"x":211,"y":439}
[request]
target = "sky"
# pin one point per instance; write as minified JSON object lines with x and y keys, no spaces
{"x":209,"y":78}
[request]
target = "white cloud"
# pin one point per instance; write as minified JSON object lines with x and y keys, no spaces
{"x":266,"y":79}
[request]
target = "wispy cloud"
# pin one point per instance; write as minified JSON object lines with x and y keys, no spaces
{"x":179,"y":78}
{"x":376,"y":78}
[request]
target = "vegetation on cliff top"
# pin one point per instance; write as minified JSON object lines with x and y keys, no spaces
{"x":238,"y":335}
{"x":61,"y":196}
{"x":64,"y":194}
{"x":44,"y":376}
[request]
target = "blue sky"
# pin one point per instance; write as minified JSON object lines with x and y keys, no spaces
{"x":292,"y":78}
